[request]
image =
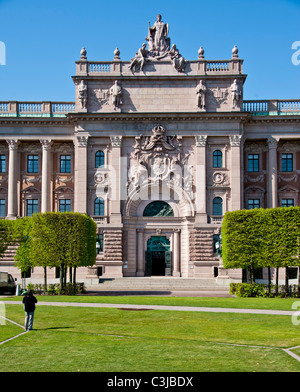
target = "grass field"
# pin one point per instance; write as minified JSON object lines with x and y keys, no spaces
{"x":69,"y":339}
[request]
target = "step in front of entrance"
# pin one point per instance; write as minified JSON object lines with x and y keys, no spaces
{"x":163,"y":283}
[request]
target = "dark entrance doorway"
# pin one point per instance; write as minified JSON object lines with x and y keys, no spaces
{"x":158,"y":257}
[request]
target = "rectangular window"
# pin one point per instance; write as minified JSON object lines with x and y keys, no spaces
{"x":65,"y":205}
{"x":2,"y":208}
{"x":32,"y":164}
{"x":253,"y":203}
{"x":99,"y":243}
{"x":287,"y":203}
{"x":253,"y":163}
{"x":287,"y":162}
{"x":65,"y":163}
{"x":2,"y":164}
{"x":32,"y":207}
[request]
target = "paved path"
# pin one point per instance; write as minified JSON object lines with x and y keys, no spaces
{"x":163,"y":307}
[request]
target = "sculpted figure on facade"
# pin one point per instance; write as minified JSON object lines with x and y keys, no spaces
{"x":138,"y":62}
{"x":82,"y":94}
{"x":179,"y":63}
{"x":116,"y":94}
{"x":158,"y":41}
{"x":235,"y":94}
{"x":201,"y":94}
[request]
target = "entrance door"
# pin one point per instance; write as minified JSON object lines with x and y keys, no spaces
{"x":158,"y":257}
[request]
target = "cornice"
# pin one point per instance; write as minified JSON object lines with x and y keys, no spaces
{"x":279,"y":119}
{"x":37,"y":121}
{"x":170,"y":116}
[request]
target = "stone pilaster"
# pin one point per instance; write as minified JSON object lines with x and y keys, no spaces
{"x":236,"y":180}
{"x":115,"y":202}
{"x":80,"y":174}
{"x":272,"y":169}
{"x":46,"y":148}
{"x":176,"y":252}
{"x":12,"y":179}
{"x":200,"y":197}
{"x":140,"y":253}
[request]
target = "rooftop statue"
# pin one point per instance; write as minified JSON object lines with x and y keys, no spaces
{"x":158,"y":41}
{"x":159,"y":47}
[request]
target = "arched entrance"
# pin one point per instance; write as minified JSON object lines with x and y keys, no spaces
{"x":158,"y":257}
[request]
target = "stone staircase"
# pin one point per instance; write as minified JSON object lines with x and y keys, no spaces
{"x":160,"y":284}
{"x":8,"y":256}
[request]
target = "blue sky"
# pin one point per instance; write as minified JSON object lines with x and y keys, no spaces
{"x":43,"y":39}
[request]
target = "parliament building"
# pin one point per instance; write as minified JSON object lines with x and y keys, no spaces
{"x":155,"y":150}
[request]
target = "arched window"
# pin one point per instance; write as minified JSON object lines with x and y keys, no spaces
{"x":158,"y":208}
{"x":217,"y":206}
{"x":99,"y":159}
{"x":217,"y":158}
{"x":99,"y":207}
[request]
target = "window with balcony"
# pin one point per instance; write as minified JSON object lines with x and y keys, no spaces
{"x":253,"y":203}
{"x":217,"y":159}
{"x":99,"y":207}
{"x":217,"y":206}
{"x":64,"y":205}
{"x":65,"y":163}
{"x":32,"y":207}
{"x":2,"y":164}
{"x":32,"y":163}
{"x":253,"y":163}
{"x":99,"y":159}
{"x":287,"y":162}
{"x":287,"y":203}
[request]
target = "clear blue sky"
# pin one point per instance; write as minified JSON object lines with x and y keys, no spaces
{"x":44,"y":38}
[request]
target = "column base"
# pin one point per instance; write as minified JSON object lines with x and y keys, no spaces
{"x":176,"y":274}
{"x":140,"y":274}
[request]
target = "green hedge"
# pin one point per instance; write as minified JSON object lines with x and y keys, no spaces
{"x":263,"y":290}
{"x":54,"y":289}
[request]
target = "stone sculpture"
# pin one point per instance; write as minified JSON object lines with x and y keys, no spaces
{"x":158,"y":41}
{"x":138,"y":62}
{"x":116,"y":94}
{"x":235,"y":94}
{"x":177,"y":60}
{"x":82,"y":94}
{"x":158,"y":48}
{"x":201,"y":94}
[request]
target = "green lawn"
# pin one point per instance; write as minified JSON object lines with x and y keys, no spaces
{"x":109,"y":340}
{"x":222,"y":302}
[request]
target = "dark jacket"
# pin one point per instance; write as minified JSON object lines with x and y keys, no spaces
{"x":29,"y":302}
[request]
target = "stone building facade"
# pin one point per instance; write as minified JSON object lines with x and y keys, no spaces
{"x":156,"y":150}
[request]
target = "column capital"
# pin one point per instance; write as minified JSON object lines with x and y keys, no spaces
{"x":272,"y":142}
{"x":140,"y":230}
{"x":176,"y":230}
{"x":200,"y":140}
{"x":235,"y":140}
{"x":12,"y":144}
{"x":82,"y":141}
{"x":46,"y":144}
{"x":116,"y":141}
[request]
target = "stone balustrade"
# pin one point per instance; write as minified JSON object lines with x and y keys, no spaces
{"x":35,"y":109}
{"x":272,"y":107}
{"x":60,"y":109}
{"x":196,"y":67}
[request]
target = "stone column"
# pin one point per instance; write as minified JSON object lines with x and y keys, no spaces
{"x":236,"y":178}
{"x":115,"y":201}
{"x":176,"y":254}
{"x":272,"y":175}
{"x":140,"y":253}
{"x":200,"y":196}
{"x":80,"y":185}
{"x":46,"y":147}
{"x":12,"y":179}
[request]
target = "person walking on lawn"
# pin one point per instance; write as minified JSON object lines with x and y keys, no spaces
{"x":29,"y":302}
